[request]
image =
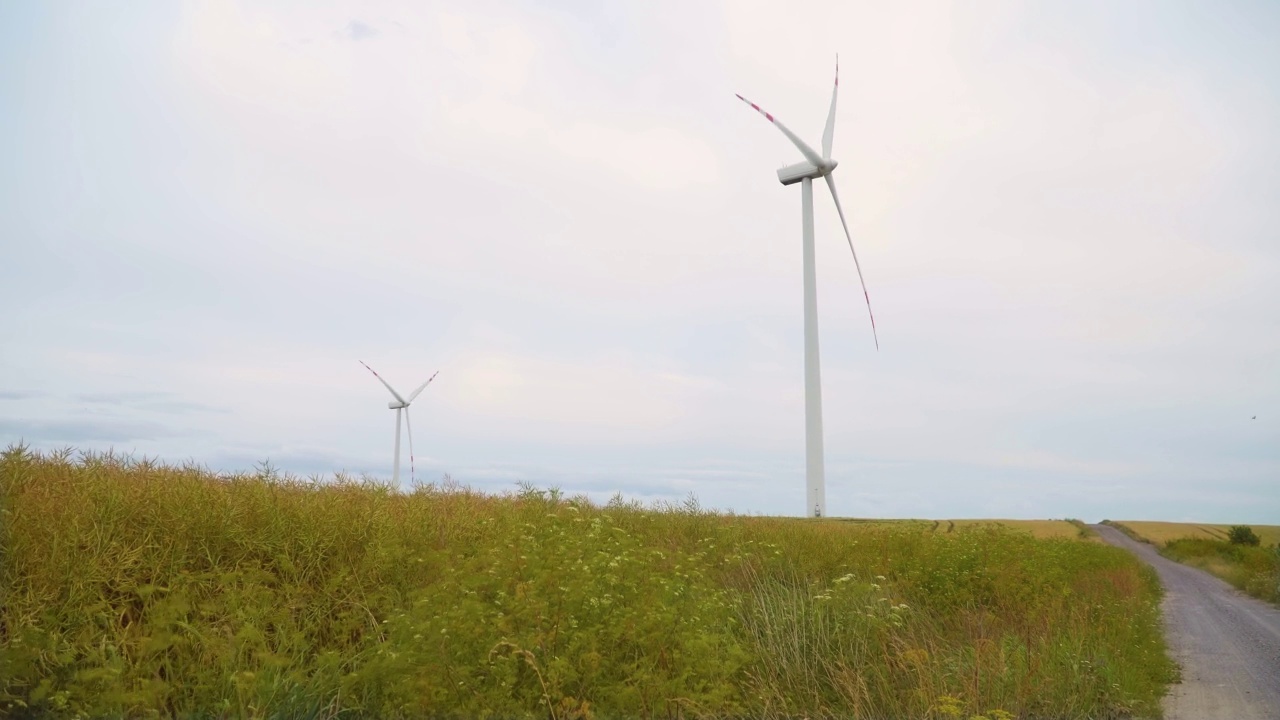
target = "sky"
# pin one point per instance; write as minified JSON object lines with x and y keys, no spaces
{"x":1067,"y":216}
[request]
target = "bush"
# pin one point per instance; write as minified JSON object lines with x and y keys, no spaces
{"x":1243,"y":535}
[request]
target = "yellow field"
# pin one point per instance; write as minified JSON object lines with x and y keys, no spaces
{"x":1159,"y":533}
{"x":1038,"y":528}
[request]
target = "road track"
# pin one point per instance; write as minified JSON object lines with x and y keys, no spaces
{"x":1227,"y":643}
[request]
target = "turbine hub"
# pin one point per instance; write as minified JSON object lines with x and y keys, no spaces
{"x":829,"y":164}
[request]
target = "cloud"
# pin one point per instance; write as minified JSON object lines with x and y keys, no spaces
{"x":506,"y":62}
{"x":357,"y":31}
{"x":116,"y":398}
{"x":148,"y":400}
{"x":298,"y":460}
{"x":1067,"y":236}
{"x":17,"y":395}
{"x":83,"y":432}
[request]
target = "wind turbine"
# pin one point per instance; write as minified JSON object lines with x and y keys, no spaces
{"x":400,"y":404}
{"x":815,"y":166}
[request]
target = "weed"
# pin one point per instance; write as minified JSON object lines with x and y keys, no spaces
{"x":134,"y":588}
{"x":1251,"y":568}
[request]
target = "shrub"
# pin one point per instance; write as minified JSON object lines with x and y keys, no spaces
{"x":1243,"y":535}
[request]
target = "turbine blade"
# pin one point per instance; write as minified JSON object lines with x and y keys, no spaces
{"x":423,"y":386}
{"x":413,"y":478}
{"x":831,"y":184}
{"x":828,"y":135}
{"x":805,"y":150}
{"x":384,"y":382}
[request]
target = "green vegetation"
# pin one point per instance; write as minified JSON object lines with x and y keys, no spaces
{"x":137,"y":589}
{"x":1243,"y":535}
{"x":1235,"y":555}
{"x":1251,"y":568}
{"x":1083,"y":531}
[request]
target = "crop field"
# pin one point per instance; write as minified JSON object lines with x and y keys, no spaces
{"x":1039,"y":528}
{"x":1159,"y":533}
{"x":1043,"y":529}
{"x":135,"y":588}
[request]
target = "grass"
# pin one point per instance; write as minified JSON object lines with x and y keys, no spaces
{"x":1255,"y":570}
{"x":139,"y":589}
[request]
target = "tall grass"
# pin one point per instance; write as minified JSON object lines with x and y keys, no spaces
{"x":1253,"y":569}
{"x":133,"y":588}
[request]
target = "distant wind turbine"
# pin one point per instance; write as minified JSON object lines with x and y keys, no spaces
{"x":399,"y":404}
{"x":815,"y":166}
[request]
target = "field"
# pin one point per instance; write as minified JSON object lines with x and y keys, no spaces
{"x":134,"y":589}
{"x":1159,"y":533}
{"x":1038,"y":528}
{"x":1043,"y":529}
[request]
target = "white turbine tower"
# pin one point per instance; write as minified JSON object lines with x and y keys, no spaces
{"x":400,"y":404}
{"x":815,"y":166}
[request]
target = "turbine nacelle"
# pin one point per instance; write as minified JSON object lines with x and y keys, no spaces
{"x":792,"y":174}
{"x":396,"y":404}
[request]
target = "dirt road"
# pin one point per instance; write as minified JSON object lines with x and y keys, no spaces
{"x":1227,"y":643}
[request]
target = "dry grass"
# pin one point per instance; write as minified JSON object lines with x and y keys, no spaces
{"x":1043,"y":529}
{"x":1159,"y":533}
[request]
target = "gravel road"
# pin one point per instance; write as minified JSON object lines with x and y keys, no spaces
{"x":1227,"y":643}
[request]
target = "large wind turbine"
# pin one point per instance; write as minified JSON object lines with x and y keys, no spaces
{"x":815,"y":166}
{"x":399,"y":404}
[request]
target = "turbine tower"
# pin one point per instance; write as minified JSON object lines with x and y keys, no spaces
{"x":815,"y":166}
{"x":401,"y":404}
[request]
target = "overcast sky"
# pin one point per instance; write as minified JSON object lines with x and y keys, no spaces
{"x":1068,"y":216}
